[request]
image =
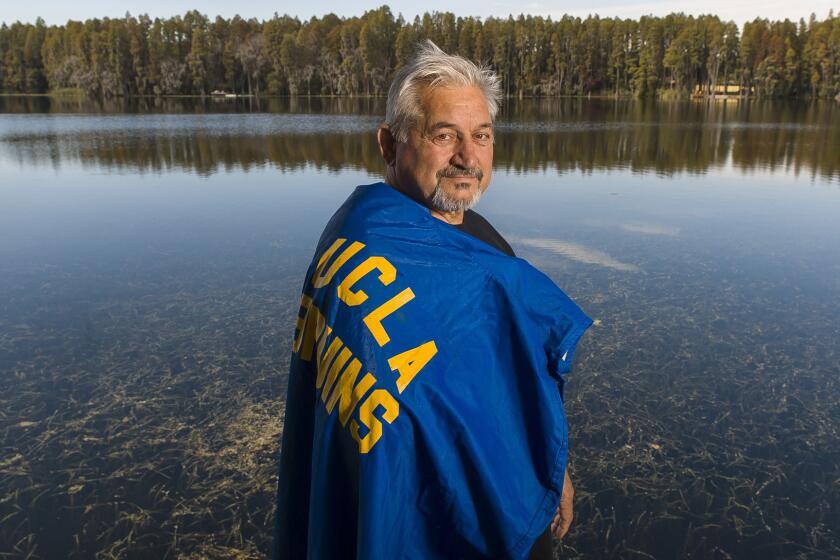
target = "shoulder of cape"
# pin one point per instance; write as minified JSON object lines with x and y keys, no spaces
{"x":390,"y":223}
{"x":382,"y":217}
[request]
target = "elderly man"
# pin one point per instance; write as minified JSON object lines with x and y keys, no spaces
{"x":424,"y":417}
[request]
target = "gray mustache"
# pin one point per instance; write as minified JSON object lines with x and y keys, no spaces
{"x":454,"y":171}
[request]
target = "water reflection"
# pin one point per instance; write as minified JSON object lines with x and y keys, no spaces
{"x":145,"y":317}
{"x":576,"y":252}
{"x":31,"y":104}
{"x":665,"y":138}
{"x":651,"y":229}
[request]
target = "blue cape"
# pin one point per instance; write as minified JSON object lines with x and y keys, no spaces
{"x":424,"y":416}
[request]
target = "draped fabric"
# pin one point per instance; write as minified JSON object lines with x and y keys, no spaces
{"x":424,"y":415}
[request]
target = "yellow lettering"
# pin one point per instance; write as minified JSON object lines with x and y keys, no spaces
{"x":351,"y":298}
{"x":336,"y":366}
{"x":380,"y":397}
{"x":375,"y":317}
{"x":322,"y":340}
{"x":321,"y":278}
{"x":347,"y":392}
{"x":409,"y":363}
{"x":326,"y":360}
{"x":313,"y":327}
{"x":305,"y":302}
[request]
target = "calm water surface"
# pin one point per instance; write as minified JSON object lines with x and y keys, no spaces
{"x":151,"y":256}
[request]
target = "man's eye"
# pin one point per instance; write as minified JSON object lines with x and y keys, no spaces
{"x":483,"y":137}
{"x":444,"y":138}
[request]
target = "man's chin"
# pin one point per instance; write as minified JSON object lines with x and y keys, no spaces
{"x":459,"y":187}
{"x":456,"y":198}
{"x":463,"y":189}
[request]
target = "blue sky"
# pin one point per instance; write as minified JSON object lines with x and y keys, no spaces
{"x":58,"y":12}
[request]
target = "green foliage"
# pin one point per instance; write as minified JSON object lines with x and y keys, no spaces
{"x":535,"y":56}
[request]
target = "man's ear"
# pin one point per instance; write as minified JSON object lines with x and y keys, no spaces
{"x":387,"y":144}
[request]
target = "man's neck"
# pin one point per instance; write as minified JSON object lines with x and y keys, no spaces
{"x":454,"y":218}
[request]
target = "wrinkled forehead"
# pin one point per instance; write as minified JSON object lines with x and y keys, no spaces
{"x":462,"y":106}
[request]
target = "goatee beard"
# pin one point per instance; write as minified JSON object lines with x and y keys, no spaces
{"x":442,"y":202}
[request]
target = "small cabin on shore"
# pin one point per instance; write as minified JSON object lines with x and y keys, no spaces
{"x":222,"y":93}
{"x":721,"y":89}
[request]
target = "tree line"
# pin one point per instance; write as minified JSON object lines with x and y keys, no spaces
{"x":536,"y":56}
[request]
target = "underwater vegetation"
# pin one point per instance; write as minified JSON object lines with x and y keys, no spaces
{"x":148,"y":424}
{"x":147,"y":303}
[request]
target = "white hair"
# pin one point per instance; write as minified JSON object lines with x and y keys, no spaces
{"x":431,"y":67}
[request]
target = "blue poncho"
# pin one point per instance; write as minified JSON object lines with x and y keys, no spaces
{"x":424,"y":417}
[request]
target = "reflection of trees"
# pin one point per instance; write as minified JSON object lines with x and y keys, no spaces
{"x":203,"y":153}
{"x":186,"y":105}
{"x":665,"y":138}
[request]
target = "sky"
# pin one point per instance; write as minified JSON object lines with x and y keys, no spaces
{"x":739,"y":11}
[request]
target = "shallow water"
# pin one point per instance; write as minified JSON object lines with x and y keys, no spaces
{"x":153,"y":253}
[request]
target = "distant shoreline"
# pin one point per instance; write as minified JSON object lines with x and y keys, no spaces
{"x":675,"y":55}
{"x":664,"y":95}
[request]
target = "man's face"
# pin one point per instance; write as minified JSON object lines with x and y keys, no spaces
{"x":448,"y":156}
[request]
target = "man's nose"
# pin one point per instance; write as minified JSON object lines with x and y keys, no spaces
{"x":466,"y":153}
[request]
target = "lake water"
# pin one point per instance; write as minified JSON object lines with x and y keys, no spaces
{"x":152,"y":254}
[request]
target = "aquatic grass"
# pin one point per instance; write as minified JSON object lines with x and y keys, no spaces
{"x":698,"y":429}
{"x":159,"y":439}
{"x":697,"y":438}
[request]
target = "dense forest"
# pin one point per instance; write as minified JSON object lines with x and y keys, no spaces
{"x":536,"y":56}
